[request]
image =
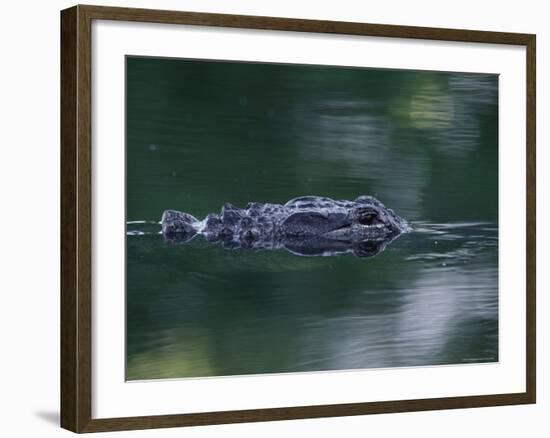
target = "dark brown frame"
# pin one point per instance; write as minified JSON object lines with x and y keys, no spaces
{"x":76,"y":218}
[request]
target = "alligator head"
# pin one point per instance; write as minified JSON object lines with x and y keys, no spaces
{"x":309,"y":225}
{"x":366,"y":218}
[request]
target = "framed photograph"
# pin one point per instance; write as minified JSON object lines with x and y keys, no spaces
{"x":270,"y":218}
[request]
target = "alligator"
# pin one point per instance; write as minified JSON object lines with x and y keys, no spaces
{"x":308,"y":225}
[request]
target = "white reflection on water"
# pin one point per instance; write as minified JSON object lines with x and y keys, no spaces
{"x":372,"y":146}
{"x":453,"y":295}
{"x":429,"y":318}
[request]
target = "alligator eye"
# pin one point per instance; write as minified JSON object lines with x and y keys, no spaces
{"x":367,"y":219}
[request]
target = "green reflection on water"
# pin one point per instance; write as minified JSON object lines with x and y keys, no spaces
{"x":200,"y":134}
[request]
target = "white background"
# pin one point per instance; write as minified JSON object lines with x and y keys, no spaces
{"x":29,"y":181}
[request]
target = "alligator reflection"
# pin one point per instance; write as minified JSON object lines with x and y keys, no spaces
{"x":317,"y":246}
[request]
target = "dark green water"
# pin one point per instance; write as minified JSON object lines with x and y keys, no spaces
{"x":200,"y":134}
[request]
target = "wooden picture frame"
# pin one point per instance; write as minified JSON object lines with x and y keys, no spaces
{"x":76,"y":218}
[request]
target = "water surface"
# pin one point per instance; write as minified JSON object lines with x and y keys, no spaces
{"x":200,"y":134}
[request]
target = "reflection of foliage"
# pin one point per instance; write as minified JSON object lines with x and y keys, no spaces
{"x":426,"y":121}
{"x":202,"y":310}
{"x":240,"y":132}
{"x":431,"y":108}
{"x":218,"y":311}
{"x":449,"y":109}
{"x":163,"y":360}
